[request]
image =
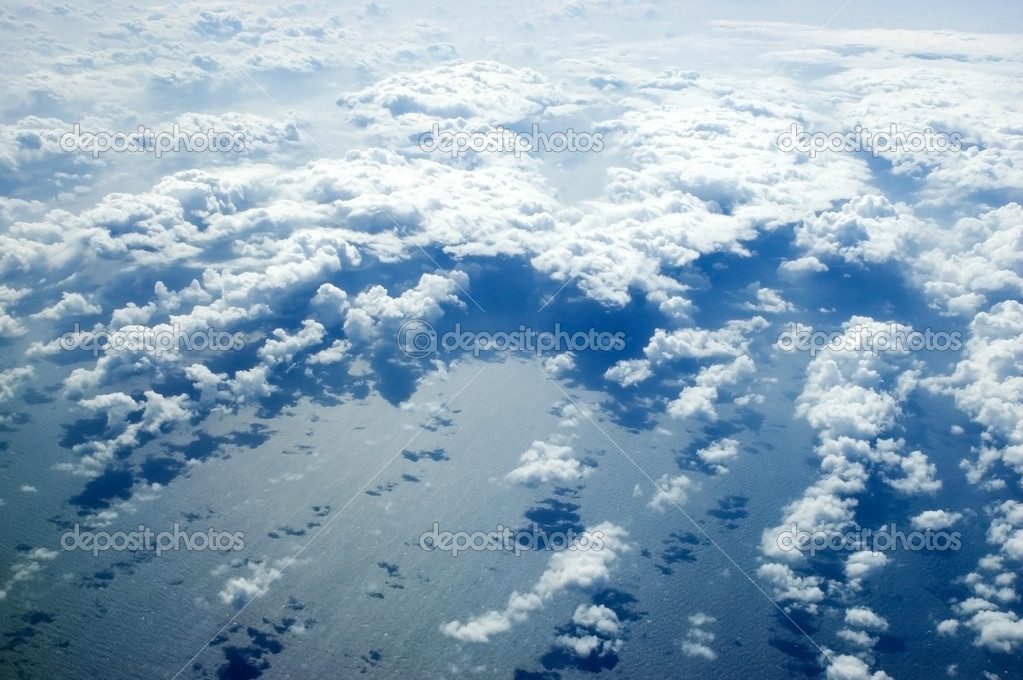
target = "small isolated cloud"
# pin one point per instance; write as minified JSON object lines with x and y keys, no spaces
{"x":866,"y":618}
{"x":936,"y":519}
{"x":629,"y":372}
{"x":863,"y":564}
{"x":771,"y":302}
{"x":808,"y":263}
{"x":596,"y":632}
{"x":671,"y":491}
{"x":719,"y":452}
{"x":240,"y":589}
{"x":559,"y":364}
{"x":547,"y":461}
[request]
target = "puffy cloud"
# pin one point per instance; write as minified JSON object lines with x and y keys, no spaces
{"x":936,"y":519}
{"x":699,"y":343}
{"x":848,"y":667}
{"x":559,"y":364}
{"x":374,"y":306}
{"x":994,"y":628}
{"x":629,"y":372}
{"x":598,"y":617}
{"x":1006,"y":530}
{"x":283,"y":347}
{"x":474,"y":93}
{"x":863,"y":617}
{"x":70,"y":305}
{"x":238,"y":590}
{"x":988,"y":387}
{"x":697,"y":640}
{"x":961,"y":268}
{"x":671,"y":491}
{"x":547,"y":461}
{"x":336,"y":352}
{"x":920,"y":474}
{"x":721,"y":450}
{"x":861,"y":565}
{"x":159,"y":413}
{"x":771,"y":302}
{"x":568,"y":569}
{"x":596,"y":632}
{"x":699,"y":400}
{"x":866,"y":229}
{"x":11,"y":380}
{"x":803,"y":591}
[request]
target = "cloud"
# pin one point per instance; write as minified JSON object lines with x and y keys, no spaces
{"x":629,"y":372}
{"x":559,"y":364}
{"x":238,"y":590}
{"x":848,"y":667}
{"x":936,"y":519}
{"x":30,"y":564}
{"x":671,"y":491}
{"x":863,"y":617}
{"x":699,"y":343}
{"x":771,"y":302}
{"x":283,"y":347}
{"x":159,"y":413}
{"x":719,"y":452}
{"x":374,"y":306}
{"x":70,"y":305}
{"x":580,"y":569}
{"x":867,"y":228}
{"x":12,"y":379}
{"x":985,"y":385}
{"x":699,"y":400}
{"x":547,"y":461}
{"x":697,"y":640}
{"x":803,"y":591}
{"x":596,"y":632}
{"x":863,"y":564}
{"x":920,"y":475}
